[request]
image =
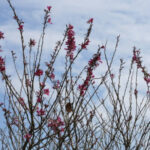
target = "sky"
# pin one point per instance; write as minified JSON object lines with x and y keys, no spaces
{"x":128,"y":18}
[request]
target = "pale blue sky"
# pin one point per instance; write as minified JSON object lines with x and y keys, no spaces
{"x":129,"y":18}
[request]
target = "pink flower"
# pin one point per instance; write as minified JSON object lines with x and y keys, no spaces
{"x":70,"y":42}
{"x":112,"y":75}
{"x":46,"y":91}
{"x":85,"y":44}
{"x":40,"y":112}
{"x":20,"y":28}
{"x":39,"y":72}
{"x":90,"y":20}
{"x":62,"y":130}
{"x":1,"y":35}
{"x":49,"y":20}
{"x":147,"y":79}
{"x":102,"y":46}
{"x":59,"y":122}
{"x":2,"y":68}
{"x":49,"y":8}
{"x":52,"y":76}
{"x":28,"y":136}
{"x":56,"y":124}
{"x":32,"y":43}
{"x":39,"y":100}
{"x":15,"y":17}
{"x":92,"y":64}
{"x":2,"y":64}
{"x":21,"y":101}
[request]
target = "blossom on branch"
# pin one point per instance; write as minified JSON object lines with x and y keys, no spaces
{"x":56,"y":124}
{"x":40,"y":112}
{"x":52,"y":76}
{"x":32,"y":42}
{"x":20,"y":27}
{"x":92,"y":64}
{"x":46,"y":91}
{"x":1,"y":35}
{"x":39,"y":72}
{"x":71,"y":46}
{"x":49,"y":8}
{"x":85,"y":44}
{"x":2,"y":64}
{"x":90,"y":20}
{"x":49,"y":20}
{"x":39,"y":100}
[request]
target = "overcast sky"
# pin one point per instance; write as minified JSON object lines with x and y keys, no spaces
{"x":129,"y":18}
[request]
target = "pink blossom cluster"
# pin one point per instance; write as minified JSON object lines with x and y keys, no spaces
{"x":47,"y":17}
{"x":42,"y":91}
{"x":20,"y":23}
{"x":46,"y":91}
{"x":56,"y":124}
{"x":2,"y":62}
{"x":32,"y":42}
{"x":90,"y":20}
{"x":20,"y":27}
{"x":40,"y":112}
{"x":21,"y":101}
{"x":70,"y":42}
{"x":85,"y":44}
{"x":92,"y":64}
{"x":52,"y":76}
{"x":38,"y":72}
{"x":137,"y":59}
{"x":1,"y":35}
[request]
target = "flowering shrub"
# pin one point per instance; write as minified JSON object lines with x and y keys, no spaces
{"x":70,"y":42}
{"x":90,"y":110}
{"x":56,"y":125}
